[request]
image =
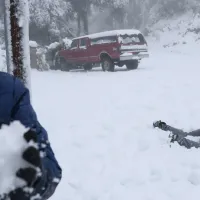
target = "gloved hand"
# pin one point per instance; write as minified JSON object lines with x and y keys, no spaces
{"x":161,"y":125}
{"x":29,"y":174}
{"x":173,"y":138}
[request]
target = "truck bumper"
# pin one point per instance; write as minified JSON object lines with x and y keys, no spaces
{"x":130,"y":56}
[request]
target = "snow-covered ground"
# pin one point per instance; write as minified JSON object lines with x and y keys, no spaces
{"x":100,"y":126}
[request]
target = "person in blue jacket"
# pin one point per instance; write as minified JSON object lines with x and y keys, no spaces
{"x":15,"y":105}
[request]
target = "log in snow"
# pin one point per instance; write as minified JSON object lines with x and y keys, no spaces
{"x":17,"y":39}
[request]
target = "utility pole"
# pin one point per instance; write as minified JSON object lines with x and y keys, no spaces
{"x":17,"y":39}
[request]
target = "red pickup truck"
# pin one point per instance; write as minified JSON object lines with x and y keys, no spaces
{"x":109,"y":48}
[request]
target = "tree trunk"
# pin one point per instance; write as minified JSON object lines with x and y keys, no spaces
{"x":17,"y":39}
{"x":85,"y":14}
{"x":79,"y":24}
{"x":133,"y":14}
{"x":85,"y":23}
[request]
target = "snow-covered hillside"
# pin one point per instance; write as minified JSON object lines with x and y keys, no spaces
{"x":100,"y":126}
{"x":180,"y":34}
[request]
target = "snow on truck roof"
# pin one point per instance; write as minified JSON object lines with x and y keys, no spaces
{"x":110,"y":33}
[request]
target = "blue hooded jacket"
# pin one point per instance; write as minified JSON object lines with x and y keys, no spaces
{"x":15,"y":105}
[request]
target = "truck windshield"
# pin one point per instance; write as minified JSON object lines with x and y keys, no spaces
{"x":129,"y":39}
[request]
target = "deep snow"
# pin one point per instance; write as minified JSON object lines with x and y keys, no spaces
{"x":100,"y":126}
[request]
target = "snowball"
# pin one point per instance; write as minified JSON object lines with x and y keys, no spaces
{"x":11,"y":149}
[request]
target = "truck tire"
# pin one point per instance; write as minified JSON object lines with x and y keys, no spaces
{"x":107,"y":64}
{"x":133,"y":64}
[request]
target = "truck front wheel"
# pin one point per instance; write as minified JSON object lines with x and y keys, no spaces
{"x":107,"y":64}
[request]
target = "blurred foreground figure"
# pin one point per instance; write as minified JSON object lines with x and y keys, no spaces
{"x":44,"y":173}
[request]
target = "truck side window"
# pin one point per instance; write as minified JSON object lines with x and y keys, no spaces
{"x":104,"y":40}
{"x":74,"y":44}
{"x":83,"y":43}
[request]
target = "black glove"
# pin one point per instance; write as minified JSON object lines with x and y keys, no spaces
{"x":161,"y":125}
{"x":29,"y":174}
{"x":173,"y":138}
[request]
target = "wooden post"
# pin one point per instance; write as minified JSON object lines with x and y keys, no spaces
{"x":17,"y":39}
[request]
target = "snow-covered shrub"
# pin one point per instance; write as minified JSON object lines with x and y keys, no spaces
{"x":53,"y":45}
{"x":66,"y":43}
{"x":41,"y":59}
{"x":53,"y":49}
{"x":50,"y":53}
{"x":33,"y":44}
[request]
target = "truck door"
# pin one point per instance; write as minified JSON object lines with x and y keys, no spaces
{"x":83,"y":51}
{"x":74,"y":51}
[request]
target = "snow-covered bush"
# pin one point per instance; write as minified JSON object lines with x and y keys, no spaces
{"x":42,"y":63}
{"x":46,"y":55}
{"x":53,"y":49}
{"x":49,"y":18}
{"x":67,"y":42}
{"x":53,"y":46}
{"x":33,"y":44}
